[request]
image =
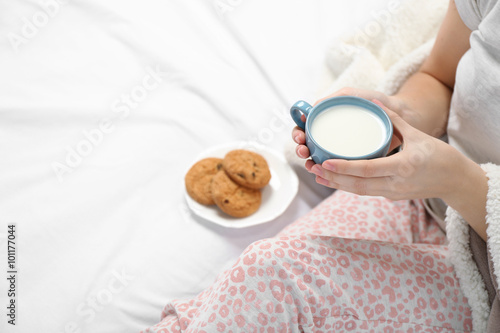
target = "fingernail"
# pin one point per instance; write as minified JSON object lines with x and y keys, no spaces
{"x":296,"y":138}
{"x":329,"y":166}
{"x":297,"y":151}
{"x":317,"y":170}
{"x":322,"y":181}
{"x":379,"y":103}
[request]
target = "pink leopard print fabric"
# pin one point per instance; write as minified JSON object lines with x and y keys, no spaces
{"x":353,"y":264}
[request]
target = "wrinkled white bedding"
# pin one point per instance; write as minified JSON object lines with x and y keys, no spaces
{"x":103,"y":106}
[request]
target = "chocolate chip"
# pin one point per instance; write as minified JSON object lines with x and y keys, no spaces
{"x":241,"y":175}
{"x":226,"y":201}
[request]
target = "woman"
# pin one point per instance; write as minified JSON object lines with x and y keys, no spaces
{"x":361,"y":261}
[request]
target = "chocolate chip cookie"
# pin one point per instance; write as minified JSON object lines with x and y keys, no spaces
{"x":199,"y":178}
{"x":234,"y":199}
{"x":247,"y":168}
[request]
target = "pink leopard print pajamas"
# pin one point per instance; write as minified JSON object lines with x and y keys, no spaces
{"x":353,"y":264}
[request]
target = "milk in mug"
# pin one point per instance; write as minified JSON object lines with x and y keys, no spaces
{"x":348,"y":130}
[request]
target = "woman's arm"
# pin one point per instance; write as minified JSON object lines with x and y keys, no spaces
{"x":424,"y":99}
{"x":429,"y":91}
{"x":426,"y":167}
{"x":426,"y":95}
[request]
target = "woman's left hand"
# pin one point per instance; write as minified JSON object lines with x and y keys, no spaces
{"x":425,"y":167}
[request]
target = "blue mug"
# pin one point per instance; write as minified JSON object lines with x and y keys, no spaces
{"x":320,"y":154}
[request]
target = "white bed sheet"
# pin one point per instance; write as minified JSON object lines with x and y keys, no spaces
{"x":106,"y":240}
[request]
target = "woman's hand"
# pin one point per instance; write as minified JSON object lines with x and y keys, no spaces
{"x":425,"y":167}
{"x":392,"y":102}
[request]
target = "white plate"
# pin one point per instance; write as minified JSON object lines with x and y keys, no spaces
{"x":276,"y":196}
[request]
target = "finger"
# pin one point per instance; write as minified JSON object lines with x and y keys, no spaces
{"x":378,"y":167}
{"x":298,"y":135}
{"x":326,"y":183}
{"x":395,"y":142}
{"x":357,"y":185}
{"x":398,"y":122}
{"x":302,"y":151}
{"x":363,"y":93}
{"x":342,"y":92}
{"x":401,"y":127}
{"x":309,"y":164}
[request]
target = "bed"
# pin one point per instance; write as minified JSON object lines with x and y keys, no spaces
{"x":103,"y":108}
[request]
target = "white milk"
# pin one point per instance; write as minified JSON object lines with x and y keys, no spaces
{"x":348,"y":130}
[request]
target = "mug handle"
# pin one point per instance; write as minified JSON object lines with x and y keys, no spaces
{"x":299,"y":108}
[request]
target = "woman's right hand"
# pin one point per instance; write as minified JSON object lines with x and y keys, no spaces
{"x":392,"y":102}
{"x":299,"y":137}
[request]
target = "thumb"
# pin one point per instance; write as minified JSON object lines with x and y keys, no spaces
{"x":399,"y":124}
{"x":401,"y":129}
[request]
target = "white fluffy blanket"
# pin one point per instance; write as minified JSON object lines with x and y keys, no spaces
{"x":383,"y":53}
